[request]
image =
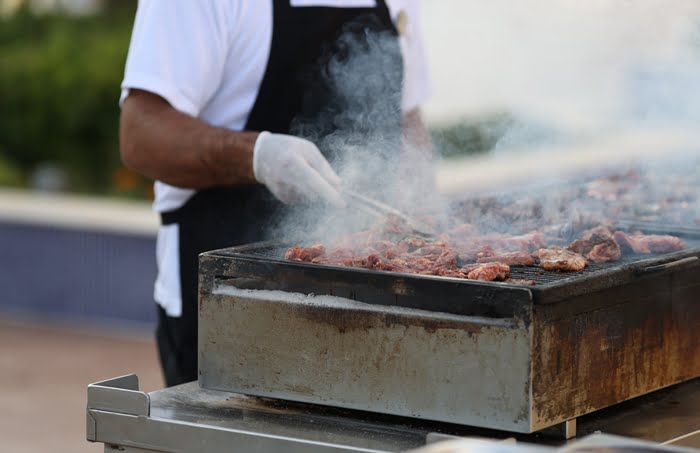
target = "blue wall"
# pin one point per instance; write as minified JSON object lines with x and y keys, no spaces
{"x":65,"y":272}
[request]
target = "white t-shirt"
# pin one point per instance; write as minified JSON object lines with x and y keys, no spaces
{"x":190,"y":53}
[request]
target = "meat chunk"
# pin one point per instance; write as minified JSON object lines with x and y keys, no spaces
{"x":562,"y":260}
{"x":605,"y":251}
{"x":648,"y":243}
{"x":598,"y":245}
{"x":486,"y":271}
{"x":306,"y":254}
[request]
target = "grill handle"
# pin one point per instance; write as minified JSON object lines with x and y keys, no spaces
{"x":672,"y":266}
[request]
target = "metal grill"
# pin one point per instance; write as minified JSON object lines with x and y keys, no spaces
{"x":275,"y":251}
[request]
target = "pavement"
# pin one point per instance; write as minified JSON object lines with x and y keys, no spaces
{"x":45,"y":367}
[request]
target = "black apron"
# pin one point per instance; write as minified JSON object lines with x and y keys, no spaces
{"x":298,"y":95}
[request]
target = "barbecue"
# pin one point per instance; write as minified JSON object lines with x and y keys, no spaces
{"x":465,"y":253}
{"x":513,"y":319}
{"x":550,"y":299}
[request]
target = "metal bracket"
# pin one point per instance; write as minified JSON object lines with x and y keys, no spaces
{"x":120,"y":395}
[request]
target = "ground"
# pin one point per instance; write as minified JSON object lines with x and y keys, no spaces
{"x":45,"y":368}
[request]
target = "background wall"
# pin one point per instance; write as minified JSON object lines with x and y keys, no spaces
{"x":77,"y":258}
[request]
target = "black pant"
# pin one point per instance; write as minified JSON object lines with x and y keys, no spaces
{"x":177,"y":347}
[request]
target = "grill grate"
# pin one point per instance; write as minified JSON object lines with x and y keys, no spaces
{"x":276,"y":250}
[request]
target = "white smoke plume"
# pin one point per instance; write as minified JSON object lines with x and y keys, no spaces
{"x":582,"y":66}
{"x":359,"y":129}
{"x":606,"y":83}
{"x":594,"y":86}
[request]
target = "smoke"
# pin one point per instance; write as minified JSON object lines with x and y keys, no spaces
{"x":352,"y":112}
{"x":602,"y":87}
{"x":589,"y":88}
{"x":585,"y":68}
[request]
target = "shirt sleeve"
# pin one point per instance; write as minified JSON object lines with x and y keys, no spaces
{"x":417,"y":84}
{"x":178,"y":50}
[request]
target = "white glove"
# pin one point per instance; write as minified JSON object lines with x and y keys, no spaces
{"x":294,"y":169}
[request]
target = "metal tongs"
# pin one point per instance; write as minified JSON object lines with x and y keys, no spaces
{"x":378,"y":209}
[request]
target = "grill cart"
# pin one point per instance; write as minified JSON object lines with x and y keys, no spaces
{"x":304,"y":357}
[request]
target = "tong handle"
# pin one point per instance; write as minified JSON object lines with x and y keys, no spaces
{"x":374,"y":204}
{"x":377,"y":208}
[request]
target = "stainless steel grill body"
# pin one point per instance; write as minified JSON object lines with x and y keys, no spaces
{"x":480,"y":354}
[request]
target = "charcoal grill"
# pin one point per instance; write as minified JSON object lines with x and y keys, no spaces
{"x":484,"y":354}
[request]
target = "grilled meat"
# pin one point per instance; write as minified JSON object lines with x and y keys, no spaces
{"x":598,"y":245}
{"x":605,"y":251}
{"x":465,"y":252}
{"x":562,"y":260}
{"x":306,"y":254}
{"x":486,"y":271}
{"x":648,"y":243}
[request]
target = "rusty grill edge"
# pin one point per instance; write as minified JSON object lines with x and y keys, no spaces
{"x":482,"y":354}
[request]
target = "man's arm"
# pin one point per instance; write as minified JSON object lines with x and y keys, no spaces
{"x":162,"y":143}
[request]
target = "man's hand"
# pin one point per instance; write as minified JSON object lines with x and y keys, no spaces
{"x":294,"y":169}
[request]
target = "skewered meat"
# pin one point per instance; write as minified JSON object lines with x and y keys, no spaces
{"x":562,"y":260}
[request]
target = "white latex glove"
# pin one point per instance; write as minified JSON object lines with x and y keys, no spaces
{"x":294,"y":169}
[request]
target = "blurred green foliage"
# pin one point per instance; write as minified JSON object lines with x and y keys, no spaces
{"x":59,"y":92}
{"x":470,"y":136}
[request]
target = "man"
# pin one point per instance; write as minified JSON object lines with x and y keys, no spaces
{"x":215,"y":99}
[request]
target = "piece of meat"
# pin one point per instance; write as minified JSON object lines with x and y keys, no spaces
{"x":661,"y":243}
{"x":486,"y":271}
{"x":604,"y":252}
{"x":648,"y":243}
{"x":375,"y":261}
{"x":446,"y":260}
{"x":412,"y":243}
{"x":598,"y":245}
{"x":306,"y":254}
{"x":629,"y":245}
{"x":589,"y":239}
{"x":562,"y":260}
